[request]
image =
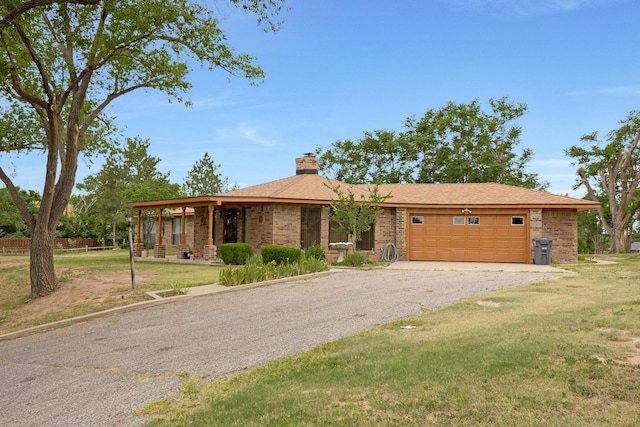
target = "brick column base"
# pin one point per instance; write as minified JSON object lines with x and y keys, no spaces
{"x":137,"y":250}
{"x":210,"y":253}
{"x":160,"y":251}
{"x":182,"y":251}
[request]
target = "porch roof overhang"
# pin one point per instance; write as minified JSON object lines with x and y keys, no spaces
{"x":219,"y":202}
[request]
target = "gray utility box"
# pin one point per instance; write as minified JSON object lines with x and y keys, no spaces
{"x":542,"y":254}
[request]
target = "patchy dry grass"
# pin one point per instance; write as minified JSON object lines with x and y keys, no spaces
{"x":89,"y":282}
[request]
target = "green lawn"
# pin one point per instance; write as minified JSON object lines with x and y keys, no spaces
{"x":553,"y":353}
{"x":76,"y":266}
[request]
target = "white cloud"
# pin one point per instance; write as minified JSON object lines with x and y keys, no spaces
{"x":244,"y":133}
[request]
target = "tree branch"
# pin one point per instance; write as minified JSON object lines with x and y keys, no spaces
{"x":28,"y":5}
{"x":67,"y":53}
{"x":96,"y":112}
{"x":27,"y":215}
{"x":38,"y":63}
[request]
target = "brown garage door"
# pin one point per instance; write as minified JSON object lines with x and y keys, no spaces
{"x":477,"y":236}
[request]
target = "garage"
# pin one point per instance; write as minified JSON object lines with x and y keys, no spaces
{"x":489,"y":235}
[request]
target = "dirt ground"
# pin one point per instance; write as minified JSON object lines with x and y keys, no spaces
{"x":108,"y":290}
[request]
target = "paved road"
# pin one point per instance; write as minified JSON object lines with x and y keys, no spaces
{"x":100,"y":372}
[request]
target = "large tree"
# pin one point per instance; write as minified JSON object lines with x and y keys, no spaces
{"x":455,"y":143}
{"x":204,"y":179}
{"x":62,"y":64}
{"x":610,"y":171}
{"x":104,"y":193}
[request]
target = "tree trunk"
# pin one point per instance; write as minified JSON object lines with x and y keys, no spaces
{"x":42,"y":273}
{"x":113,"y":233}
{"x":618,"y":240}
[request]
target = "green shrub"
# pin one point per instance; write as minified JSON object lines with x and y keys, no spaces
{"x":316,"y":252}
{"x":235,"y":253}
{"x":355,"y":259}
{"x":280,"y":254}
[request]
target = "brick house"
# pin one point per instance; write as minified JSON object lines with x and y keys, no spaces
{"x":460,"y":222}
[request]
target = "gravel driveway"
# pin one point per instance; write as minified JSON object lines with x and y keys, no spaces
{"x":100,"y":372}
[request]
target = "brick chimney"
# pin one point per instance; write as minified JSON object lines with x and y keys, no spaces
{"x":307,"y":164}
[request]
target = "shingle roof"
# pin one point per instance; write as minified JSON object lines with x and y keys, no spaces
{"x":314,"y":188}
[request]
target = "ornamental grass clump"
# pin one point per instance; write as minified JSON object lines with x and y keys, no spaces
{"x":255,"y":270}
{"x":355,"y":259}
{"x":315,"y":251}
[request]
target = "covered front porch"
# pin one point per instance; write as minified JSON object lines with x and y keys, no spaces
{"x":212,"y":221}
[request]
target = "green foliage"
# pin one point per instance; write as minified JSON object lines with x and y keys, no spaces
{"x":609,"y":172}
{"x":280,"y":254}
{"x":63,"y":63}
{"x":355,"y":215}
{"x":257,"y":271}
{"x":129,"y":174}
{"x":591,"y":238}
{"x":84,"y":225}
{"x":11,"y":221}
{"x":355,"y":259}
{"x":315,"y":251}
{"x":235,"y":253}
{"x":455,"y":143}
{"x":204,"y":180}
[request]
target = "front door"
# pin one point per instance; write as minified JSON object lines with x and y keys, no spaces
{"x":231,"y":226}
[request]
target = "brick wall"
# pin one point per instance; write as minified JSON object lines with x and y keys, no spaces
{"x":200,"y":229}
{"x":385,"y":232}
{"x":535,"y":229}
{"x":259,"y":226}
{"x":286,"y":225}
{"x":562,"y":227}
{"x":401,"y":233}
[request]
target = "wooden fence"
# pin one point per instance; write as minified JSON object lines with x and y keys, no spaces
{"x":23,"y":245}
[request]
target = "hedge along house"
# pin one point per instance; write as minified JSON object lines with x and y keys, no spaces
{"x":455,"y":222}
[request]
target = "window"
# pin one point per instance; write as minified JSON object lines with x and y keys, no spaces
{"x":366,"y":242}
{"x":459,"y":220}
{"x":177,"y":230}
{"x":335,"y":235}
{"x":473,"y":220}
{"x":517,"y":220}
{"x":310,"y":227}
{"x":417,"y":220}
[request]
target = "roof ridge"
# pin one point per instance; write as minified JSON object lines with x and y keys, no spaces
{"x":292,"y":180}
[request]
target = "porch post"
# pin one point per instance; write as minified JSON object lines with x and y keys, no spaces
{"x":139,"y":228}
{"x":210,"y":235}
{"x":159,"y":250}
{"x":183,"y":238}
{"x":182,"y":250}
{"x":137,"y":247}
{"x":210,"y":250}
{"x":159,"y":228}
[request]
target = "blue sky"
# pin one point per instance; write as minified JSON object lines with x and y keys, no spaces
{"x":338,"y":68}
